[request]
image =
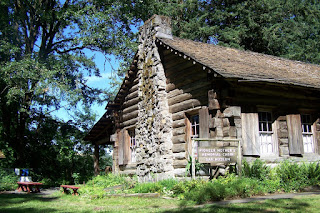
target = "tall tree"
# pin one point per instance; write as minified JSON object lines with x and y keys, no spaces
{"x":43,"y":64}
{"x":286,"y":28}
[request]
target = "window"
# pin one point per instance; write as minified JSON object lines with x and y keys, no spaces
{"x":266,"y":133}
{"x":307,"y":135}
{"x":195,"y":128}
{"x":194,"y":120}
{"x":132,"y":145}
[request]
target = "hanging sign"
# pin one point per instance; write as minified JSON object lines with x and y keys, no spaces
{"x":217,"y":155}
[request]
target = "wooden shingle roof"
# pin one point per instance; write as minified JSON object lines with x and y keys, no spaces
{"x":234,"y":63}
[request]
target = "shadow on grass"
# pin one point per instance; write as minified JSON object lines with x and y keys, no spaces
{"x":8,"y":201}
{"x":276,"y":205}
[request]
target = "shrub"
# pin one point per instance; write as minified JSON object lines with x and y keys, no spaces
{"x":313,"y":173}
{"x":257,"y":169}
{"x":8,"y":180}
{"x":95,"y":188}
{"x":185,"y":186}
{"x":293,"y":176}
{"x":150,"y":187}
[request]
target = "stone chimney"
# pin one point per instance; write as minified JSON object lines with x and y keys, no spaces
{"x":154,"y":127}
{"x":159,"y":26}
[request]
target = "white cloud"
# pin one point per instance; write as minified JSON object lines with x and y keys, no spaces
{"x":99,"y":82}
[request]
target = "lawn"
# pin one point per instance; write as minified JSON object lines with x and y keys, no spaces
{"x":67,"y":203}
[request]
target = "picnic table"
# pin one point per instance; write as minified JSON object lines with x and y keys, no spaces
{"x":29,"y":186}
{"x":74,"y":188}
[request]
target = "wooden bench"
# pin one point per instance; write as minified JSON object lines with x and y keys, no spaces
{"x":74,"y":188}
{"x":28,"y":186}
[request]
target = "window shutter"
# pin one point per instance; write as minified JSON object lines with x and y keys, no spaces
{"x":120,"y":147}
{"x":126,"y":147}
{"x":316,"y":134}
{"x":295,"y":134}
{"x":204,"y":122}
{"x":188,"y":135}
{"x":250,"y":133}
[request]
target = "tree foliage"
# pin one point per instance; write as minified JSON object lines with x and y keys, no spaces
{"x":286,"y":28}
{"x":43,"y":60}
{"x":43,"y":68}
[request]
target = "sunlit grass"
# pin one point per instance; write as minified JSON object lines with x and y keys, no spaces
{"x":68,"y":203}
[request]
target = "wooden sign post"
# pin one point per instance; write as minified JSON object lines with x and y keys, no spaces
{"x":219,"y":152}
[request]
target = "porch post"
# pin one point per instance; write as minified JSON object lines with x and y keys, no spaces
{"x":96,"y":160}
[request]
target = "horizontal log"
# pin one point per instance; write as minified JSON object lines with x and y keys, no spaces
{"x":170,"y":87}
{"x":178,"y":139}
{"x":202,"y":83}
{"x":178,"y":69}
{"x":178,"y":131}
{"x":180,"y":163}
{"x":132,"y":95}
{"x":194,"y":80}
{"x":129,"y":122}
{"x":181,"y":147}
{"x":178,"y":123}
{"x":131,"y":102}
{"x":188,"y":104}
{"x":179,"y":98}
{"x":173,"y":61}
{"x":282,"y":91}
{"x":130,"y":109}
{"x":180,"y":155}
{"x":174,"y":93}
{"x":129,"y":116}
{"x":178,"y":116}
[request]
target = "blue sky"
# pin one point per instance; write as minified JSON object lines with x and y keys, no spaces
{"x":107,"y":69}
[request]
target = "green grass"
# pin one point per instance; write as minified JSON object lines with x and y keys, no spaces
{"x":67,"y":203}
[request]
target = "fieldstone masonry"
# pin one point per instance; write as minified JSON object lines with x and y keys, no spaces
{"x":154,"y":128}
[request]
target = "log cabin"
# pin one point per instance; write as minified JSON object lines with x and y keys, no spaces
{"x":178,"y":89}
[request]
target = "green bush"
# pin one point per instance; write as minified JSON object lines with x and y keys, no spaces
{"x":164,"y":187}
{"x":96,"y":188}
{"x":150,"y":187}
{"x":293,"y":177}
{"x":313,"y":173}
{"x":183,"y":187}
{"x":8,"y":180}
{"x":257,"y":169}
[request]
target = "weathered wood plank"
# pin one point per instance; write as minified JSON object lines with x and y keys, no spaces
{"x":170,"y":87}
{"x":130,"y":109}
{"x":129,"y":122}
{"x":179,"y":98}
{"x":295,"y":134}
{"x":204,"y":122}
{"x":178,"y":139}
{"x":120,"y":147}
{"x":191,"y":103}
{"x":250,"y":134}
{"x":126,"y":148}
{"x":180,"y":147}
{"x":180,"y":155}
{"x":178,"y":116}
{"x":131,"y":102}
{"x":180,"y":163}
{"x":178,"y":131}
{"x":178,"y":123}
{"x":132,"y":95}
{"x":174,"y":93}
{"x":129,"y":116}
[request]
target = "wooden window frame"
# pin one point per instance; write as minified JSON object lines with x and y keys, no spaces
{"x":311,"y":130}
{"x":269,"y":129}
{"x":133,"y":145}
